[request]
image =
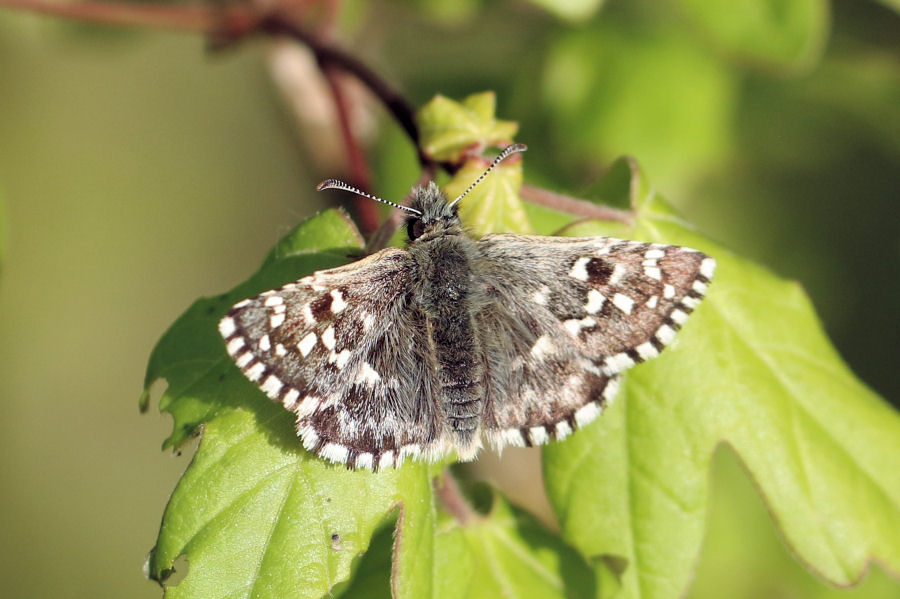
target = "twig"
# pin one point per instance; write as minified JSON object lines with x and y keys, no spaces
{"x":452,"y":498}
{"x":402,"y":111}
{"x":365,"y":210}
{"x":188,"y":18}
{"x":570,"y":205}
{"x":230,"y":24}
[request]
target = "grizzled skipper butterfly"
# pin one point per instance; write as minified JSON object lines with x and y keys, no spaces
{"x":516,"y":339}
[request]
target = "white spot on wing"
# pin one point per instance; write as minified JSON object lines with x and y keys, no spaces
{"x":708,"y":268}
{"x":276,"y":320}
{"x":386,"y":460}
{"x":364,"y":460}
{"x":668,"y":291}
{"x":243,"y":359}
{"x":611,"y":390}
{"x":340,"y":359}
{"x":264,"y":343}
{"x":574,"y":326}
{"x":699,"y":287}
{"x":586,"y":414}
{"x":272,"y":386}
{"x":290,"y":397}
{"x":512,"y":437}
{"x":623,"y":303}
{"x":538,"y":435}
{"x":618,"y":363}
{"x":234,"y":345}
{"x":368,"y":321}
{"x":279,"y":350}
{"x":309,"y":436}
{"x":367,"y":375}
{"x":307,"y":406}
{"x":579,"y":269}
{"x":335,"y":453}
{"x":679,"y":316}
{"x":595,"y":302}
{"x":542,"y":347}
{"x":273,"y":300}
{"x":653,"y":272}
{"x":337,"y":301}
{"x":254,"y":372}
{"x":653,"y":301}
{"x":541,"y":296}
{"x":328,"y":338}
{"x":242,"y":303}
{"x":655,"y":254}
{"x":690,"y":302}
{"x":665,"y":334}
{"x":617,"y":274}
{"x":646,"y":350}
{"x":227,"y":327}
{"x":562,"y":430}
{"x":306,"y":344}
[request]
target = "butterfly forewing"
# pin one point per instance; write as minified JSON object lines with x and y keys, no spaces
{"x":619,"y":302}
{"x":340,"y":348}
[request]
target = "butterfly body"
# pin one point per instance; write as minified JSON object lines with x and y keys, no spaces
{"x":512,"y":339}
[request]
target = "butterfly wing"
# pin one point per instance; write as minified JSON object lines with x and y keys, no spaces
{"x":342,"y":348}
{"x":567,"y":315}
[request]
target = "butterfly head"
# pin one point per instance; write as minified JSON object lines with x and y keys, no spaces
{"x":433,"y":216}
{"x":431,"y":213}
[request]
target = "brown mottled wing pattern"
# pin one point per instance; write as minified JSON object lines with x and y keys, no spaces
{"x":565,"y":316}
{"x":344,"y":350}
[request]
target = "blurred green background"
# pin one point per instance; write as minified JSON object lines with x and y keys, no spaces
{"x":138,"y":172}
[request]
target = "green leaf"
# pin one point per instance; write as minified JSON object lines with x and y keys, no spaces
{"x":509,"y":554}
{"x":254,"y":513}
{"x":752,"y":368}
{"x":493,"y":206}
{"x":787,"y":35}
{"x":893,"y":4}
{"x":450,"y":128}
{"x":652,"y":93}
{"x":505,"y":553}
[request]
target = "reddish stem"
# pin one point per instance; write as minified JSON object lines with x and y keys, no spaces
{"x":366,"y":212}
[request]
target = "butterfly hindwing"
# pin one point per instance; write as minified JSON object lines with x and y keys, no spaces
{"x":340,"y":348}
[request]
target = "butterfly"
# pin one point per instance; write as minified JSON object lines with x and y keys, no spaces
{"x":417,"y":352}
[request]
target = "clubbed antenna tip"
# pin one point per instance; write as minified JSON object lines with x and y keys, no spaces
{"x":507,"y":151}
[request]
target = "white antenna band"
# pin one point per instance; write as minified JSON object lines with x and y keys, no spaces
{"x":503,"y":156}
{"x":336,"y":184}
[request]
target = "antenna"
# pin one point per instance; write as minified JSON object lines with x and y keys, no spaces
{"x":335,"y":184}
{"x":503,"y":156}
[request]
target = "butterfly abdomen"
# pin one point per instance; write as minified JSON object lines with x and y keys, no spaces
{"x":445,"y":271}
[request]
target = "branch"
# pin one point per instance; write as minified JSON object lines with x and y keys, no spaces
{"x":187,"y":18}
{"x":365,"y":209}
{"x":447,"y":490}
{"x":228,"y":25}
{"x":574,"y":206}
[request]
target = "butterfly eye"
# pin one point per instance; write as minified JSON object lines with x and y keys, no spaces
{"x":415,"y":229}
